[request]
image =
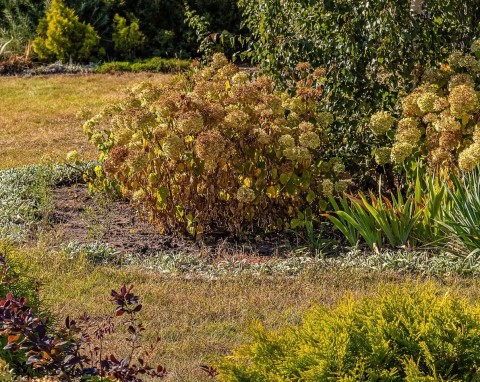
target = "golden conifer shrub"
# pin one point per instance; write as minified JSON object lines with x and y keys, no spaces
{"x":441,"y":118}
{"x":218,"y":150}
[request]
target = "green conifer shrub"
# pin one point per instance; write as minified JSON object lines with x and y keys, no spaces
{"x":407,"y":333}
{"x":127,"y":39}
{"x":62,"y":36}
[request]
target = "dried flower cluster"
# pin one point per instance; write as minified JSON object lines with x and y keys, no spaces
{"x":217,"y":149}
{"x":440,"y":118}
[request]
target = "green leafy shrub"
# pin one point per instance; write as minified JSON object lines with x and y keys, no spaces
{"x":114,"y":67}
{"x":154,"y":65}
{"x":440,"y":118}
{"x":61,"y":35}
{"x":127,"y":39}
{"x":406,"y":333}
{"x":216,"y":150}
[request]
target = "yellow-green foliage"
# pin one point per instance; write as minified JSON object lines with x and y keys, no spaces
{"x":61,"y":36}
{"x":218,"y":150}
{"x":407,"y":333}
{"x":440,"y":118}
{"x":126,"y":38}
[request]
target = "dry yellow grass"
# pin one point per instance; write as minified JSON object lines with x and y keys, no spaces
{"x":197,"y":319}
{"x":40,"y":117}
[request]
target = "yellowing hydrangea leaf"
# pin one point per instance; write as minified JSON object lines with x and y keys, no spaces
{"x":162,"y":193}
{"x":152,"y":178}
{"x":227,"y":86}
{"x":247,"y":182}
{"x":191,"y":230}
{"x":271,"y":192}
{"x":98,"y":171}
{"x":180,"y":211}
{"x":465,"y":120}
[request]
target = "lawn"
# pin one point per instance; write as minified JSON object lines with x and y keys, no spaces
{"x":41,"y":117}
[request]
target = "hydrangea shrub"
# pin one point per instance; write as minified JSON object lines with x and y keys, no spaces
{"x":440,"y":119}
{"x":218,"y":150}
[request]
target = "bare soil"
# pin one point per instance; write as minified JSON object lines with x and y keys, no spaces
{"x":77,"y":216}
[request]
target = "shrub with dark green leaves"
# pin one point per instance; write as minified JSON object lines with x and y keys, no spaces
{"x":373,"y":52}
{"x":406,"y":333}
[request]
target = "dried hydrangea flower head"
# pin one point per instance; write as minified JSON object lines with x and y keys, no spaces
{"x":470,"y":157}
{"x":212,"y":148}
{"x":475,"y":47}
{"x":461,"y":79}
{"x":447,"y":123}
{"x":401,"y":151}
{"x":463,"y":101}
{"x":245,"y":195}
{"x":173,"y":147}
{"x":426,"y":102}
{"x":382,"y":155}
{"x":328,"y":187}
{"x":310,"y":140}
{"x":324,"y":119}
{"x":381,"y":122}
